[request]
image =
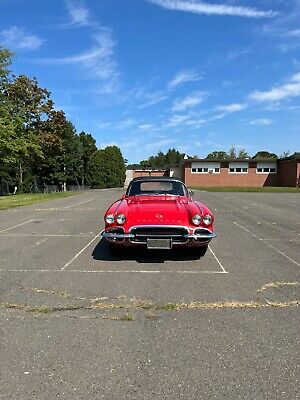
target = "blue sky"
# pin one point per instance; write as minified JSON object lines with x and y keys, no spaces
{"x":148,"y":75}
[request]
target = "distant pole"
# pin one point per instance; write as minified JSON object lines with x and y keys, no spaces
{"x":64,"y":184}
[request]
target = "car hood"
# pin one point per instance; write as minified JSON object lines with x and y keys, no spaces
{"x":165,"y":210}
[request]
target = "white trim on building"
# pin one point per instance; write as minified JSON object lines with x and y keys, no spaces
{"x":205,"y":167}
{"x":269,"y":167}
{"x":238,"y":167}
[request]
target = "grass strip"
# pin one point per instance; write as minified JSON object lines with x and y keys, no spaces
{"x":44,"y":309}
{"x":26,"y":199}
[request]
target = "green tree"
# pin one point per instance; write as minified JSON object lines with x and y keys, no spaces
{"x":232,"y":152}
{"x":221,"y":155}
{"x":106,"y":168}
{"x":37,"y":144}
{"x":171,"y":159}
{"x":88,"y":149}
{"x":265,"y":154}
{"x":285,"y":154}
{"x":8,"y":125}
{"x":29,"y":105}
{"x":243,"y":154}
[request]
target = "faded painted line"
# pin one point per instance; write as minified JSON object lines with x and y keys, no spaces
{"x":81,"y":251}
{"x":15,"y":226}
{"x":282,"y":240}
{"x":111,"y":271}
{"x":218,"y":261}
{"x":42,"y":241}
{"x":268,"y":244}
{"x":77,"y":204}
{"x":66,"y":209}
{"x":43,"y":235}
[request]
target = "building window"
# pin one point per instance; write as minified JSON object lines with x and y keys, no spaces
{"x":267,"y":167}
{"x":205,"y":170}
{"x":238,"y":170}
{"x":266,"y":170}
{"x":203,"y":167}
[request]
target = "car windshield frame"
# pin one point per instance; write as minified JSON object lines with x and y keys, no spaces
{"x":178,"y":188}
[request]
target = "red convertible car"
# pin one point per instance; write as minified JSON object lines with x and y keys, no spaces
{"x":158,"y":213}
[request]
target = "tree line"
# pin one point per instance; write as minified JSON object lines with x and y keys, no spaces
{"x":241,"y":154}
{"x":173,"y":158}
{"x":40,"y":146}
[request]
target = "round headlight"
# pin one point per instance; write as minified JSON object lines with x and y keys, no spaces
{"x":110,"y":219}
{"x":121,"y":219}
{"x":207,"y":220}
{"x":196,"y":219}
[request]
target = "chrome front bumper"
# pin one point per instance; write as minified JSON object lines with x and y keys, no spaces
{"x":128,"y":236}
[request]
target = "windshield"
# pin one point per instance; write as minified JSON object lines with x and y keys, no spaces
{"x":159,"y":187}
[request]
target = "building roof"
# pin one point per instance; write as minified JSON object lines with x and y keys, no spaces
{"x":230,"y":160}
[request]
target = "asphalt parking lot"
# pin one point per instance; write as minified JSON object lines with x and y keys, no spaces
{"x":79,"y":323}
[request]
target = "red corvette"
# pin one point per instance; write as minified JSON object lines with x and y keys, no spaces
{"x":158,"y":213}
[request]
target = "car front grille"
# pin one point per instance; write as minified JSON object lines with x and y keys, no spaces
{"x":175,"y":233}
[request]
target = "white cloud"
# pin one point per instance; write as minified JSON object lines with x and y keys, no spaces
{"x":289,"y":89}
{"x":117,"y":126}
{"x":152,"y":98}
{"x":195,"y":7}
{"x":177,"y":121}
{"x":146,"y":127}
{"x":79,"y":15}
{"x":189,"y":101}
{"x":184,"y":76}
{"x":159,"y":144}
{"x":18,"y":39}
{"x":293,"y":33}
{"x":99,"y":61}
{"x":261,"y":122}
{"x":230,"y":108}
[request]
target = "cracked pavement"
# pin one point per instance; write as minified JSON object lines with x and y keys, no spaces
{"x":79,"y":323}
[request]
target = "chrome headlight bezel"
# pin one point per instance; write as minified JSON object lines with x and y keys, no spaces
{"x":197,"y":219}
{"x":120,"y":219}
{"x":207,"y":220}
{"x":109,"y":219}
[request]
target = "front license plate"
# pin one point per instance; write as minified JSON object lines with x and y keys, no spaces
{"x":164,"y":244}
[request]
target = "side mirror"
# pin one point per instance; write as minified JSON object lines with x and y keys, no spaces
{"x":191,"y":193}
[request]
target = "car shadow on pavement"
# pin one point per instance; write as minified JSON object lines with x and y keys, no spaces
{"x":103,"y":252}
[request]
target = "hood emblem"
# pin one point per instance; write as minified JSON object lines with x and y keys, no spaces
{"x":158,"y":216}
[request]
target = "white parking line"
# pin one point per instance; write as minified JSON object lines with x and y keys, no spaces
{"x":82,"y":271}
{"x":81,"y":251}
{"x":15,"y":226}
{"x":44,"y":235}
{"x":77,"y":204}
{"x":66,"y":209}
{"x":218,"y":261}
{"x":42,"y":241}
{"x":268,"y":244}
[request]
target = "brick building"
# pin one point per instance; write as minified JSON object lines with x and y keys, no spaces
{"x":242,"y":172}
{"x":235,"y":172}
